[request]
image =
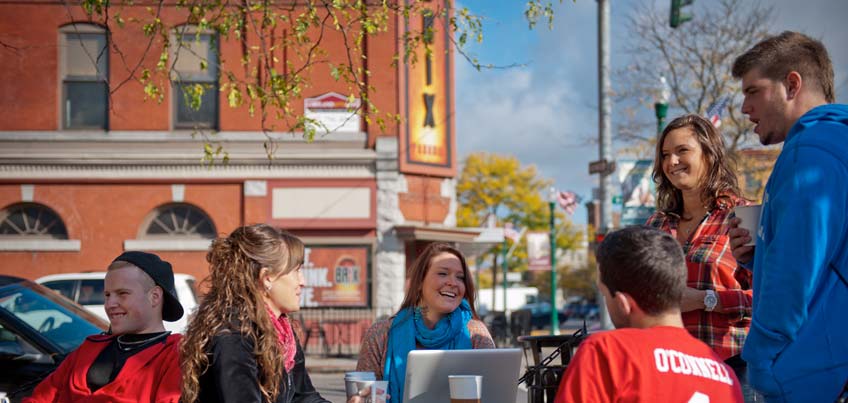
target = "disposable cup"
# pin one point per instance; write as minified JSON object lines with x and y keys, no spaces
{"x":750,"y":216}
{"x":379,"y":391}
{"x":352,"y":387}
{"x":465,"y":388}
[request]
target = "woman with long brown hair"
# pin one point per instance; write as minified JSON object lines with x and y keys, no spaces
{"x":436,"y":313}
{"x":239,"y":345}
{"x":696,"y":193}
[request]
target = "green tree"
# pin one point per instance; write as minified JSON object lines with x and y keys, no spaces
{"x":498,"y":185}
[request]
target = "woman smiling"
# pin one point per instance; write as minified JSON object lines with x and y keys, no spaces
{"x":696,"y":192}
{"x":437,"y":313}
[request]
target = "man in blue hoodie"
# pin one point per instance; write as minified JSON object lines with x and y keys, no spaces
{"x":797,"y":347}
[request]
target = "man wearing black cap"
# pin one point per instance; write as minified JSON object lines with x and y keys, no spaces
{"x":139,"y":360}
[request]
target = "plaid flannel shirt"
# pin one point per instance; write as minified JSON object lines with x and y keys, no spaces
{"x":711,"y":266}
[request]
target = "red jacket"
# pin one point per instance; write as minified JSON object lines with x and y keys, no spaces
{"x":152,"y":375}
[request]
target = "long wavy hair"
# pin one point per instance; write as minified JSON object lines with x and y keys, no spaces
{"x":421,"y":266}
{"x":235,"y":303}
{"x":719,"y":180}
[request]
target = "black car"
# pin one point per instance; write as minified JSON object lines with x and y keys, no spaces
{"x":38,"y":329}
{"x":540,"y":314}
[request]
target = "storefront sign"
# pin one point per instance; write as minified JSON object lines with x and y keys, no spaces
{"x":637,"y":191}
{"x":427,"y":142}
{"x":332,"y":113}
{"x":336,"y":276}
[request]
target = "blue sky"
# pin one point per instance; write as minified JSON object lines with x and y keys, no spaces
{"x":545,"y":112}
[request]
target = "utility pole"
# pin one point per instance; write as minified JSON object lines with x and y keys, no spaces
{"x":604,"y":133}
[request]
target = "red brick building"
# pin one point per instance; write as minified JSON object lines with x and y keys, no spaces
{"x":90,"y":168}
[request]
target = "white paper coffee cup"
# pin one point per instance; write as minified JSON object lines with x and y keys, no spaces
{"x":352,"y":387}
{"x":750,"y":216}
{"x":465,"y":388}
{"x":379,"y":391}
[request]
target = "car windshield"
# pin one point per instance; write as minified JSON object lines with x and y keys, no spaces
{"x":57,"y":319}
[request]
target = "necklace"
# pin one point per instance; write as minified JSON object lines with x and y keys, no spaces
{"x":130,"y":345}
{"x":686,"y":227}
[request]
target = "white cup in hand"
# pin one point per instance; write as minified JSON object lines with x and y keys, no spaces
{"x":750,"y":216}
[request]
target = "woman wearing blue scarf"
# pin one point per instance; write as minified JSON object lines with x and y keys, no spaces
{"x":436,"y":314}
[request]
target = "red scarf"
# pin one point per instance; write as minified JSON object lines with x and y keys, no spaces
{"x":286,"y":337}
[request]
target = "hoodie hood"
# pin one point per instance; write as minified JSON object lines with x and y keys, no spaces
{"x":834,"y":113}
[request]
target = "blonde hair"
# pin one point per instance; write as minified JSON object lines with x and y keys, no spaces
{"x":235,"y":303}
{"x":147,"y":282}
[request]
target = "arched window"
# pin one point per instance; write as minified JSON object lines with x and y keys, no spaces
{"x":179,"y":220}
{"x":31,"y":221}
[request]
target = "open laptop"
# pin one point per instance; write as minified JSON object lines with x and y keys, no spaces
{"x":427,"y":373}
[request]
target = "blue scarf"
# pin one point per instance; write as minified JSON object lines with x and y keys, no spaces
{"x":450,"y":333}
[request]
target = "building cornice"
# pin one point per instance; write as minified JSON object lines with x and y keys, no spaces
{"x":96,"y":172}
{"x":179,"y":147}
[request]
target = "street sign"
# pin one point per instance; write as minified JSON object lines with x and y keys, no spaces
{"x":603,"y":167}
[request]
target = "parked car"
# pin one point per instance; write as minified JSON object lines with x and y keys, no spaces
{"x":540,"y":314}
{"x":38,"y":329}
{"x":582,"y":310}
{"x":86,"y":289}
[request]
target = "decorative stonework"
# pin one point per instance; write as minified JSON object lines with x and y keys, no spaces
{"x":390,"y":262}
{"x":22,"y":171}
{"x":178,"y":147}
{"x":449,"y":192}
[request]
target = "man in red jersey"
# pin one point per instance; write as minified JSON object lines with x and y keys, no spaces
{"x":139,"y":361}
{"x":650,"y":357}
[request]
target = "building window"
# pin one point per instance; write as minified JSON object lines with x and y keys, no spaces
{"x":194,"y":79}
{"x":31,"y":221}
{"x":85,"y":77}
{"x":179,"y":221}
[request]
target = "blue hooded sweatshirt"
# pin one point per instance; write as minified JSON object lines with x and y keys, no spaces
{"x":797,"y":347}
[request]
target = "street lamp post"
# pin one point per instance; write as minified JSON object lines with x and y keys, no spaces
{"x":505,"y":266}
{"x":552,"y":197}
{"x":661,"y":104}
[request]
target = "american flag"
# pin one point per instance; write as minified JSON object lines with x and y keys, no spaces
{"x":713,"y":113}
{"x":511,"y":233}
{"x":568,"y":201}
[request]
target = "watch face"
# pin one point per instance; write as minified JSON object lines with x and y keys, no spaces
{"x":710,"y":301}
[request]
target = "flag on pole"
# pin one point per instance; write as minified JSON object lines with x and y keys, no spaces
{"x":714,"y":112}
{"x":511,"y":233}
{"x":568,"y":201}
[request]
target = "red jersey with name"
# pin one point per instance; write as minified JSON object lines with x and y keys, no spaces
{"x":658,"y":364}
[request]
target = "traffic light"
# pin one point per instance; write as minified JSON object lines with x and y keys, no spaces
{"x":678,"y":17}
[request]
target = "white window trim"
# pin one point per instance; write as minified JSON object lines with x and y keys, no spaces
{"x":168,"y":244}
{"x":40,"y":245}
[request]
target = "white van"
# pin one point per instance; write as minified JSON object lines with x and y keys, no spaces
{"x":86,"y":289}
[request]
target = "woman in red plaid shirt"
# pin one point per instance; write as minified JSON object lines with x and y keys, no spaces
{"x":696,"y":192}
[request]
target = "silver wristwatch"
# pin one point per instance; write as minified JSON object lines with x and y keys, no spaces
{"x":710,"y":301}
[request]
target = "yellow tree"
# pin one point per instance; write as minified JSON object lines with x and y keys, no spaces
{"x":493,"y":184}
